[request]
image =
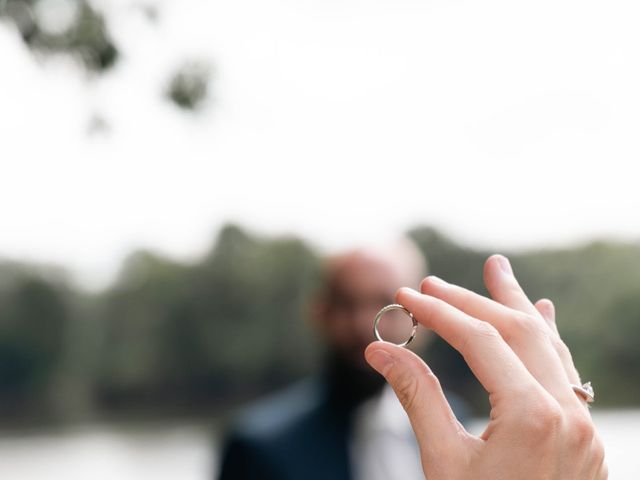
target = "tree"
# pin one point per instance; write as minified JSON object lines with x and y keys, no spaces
{"x":34,"y":317}
{"x":79,"y":30}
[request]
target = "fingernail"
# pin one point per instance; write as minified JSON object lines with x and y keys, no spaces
{"x":505,"y":266}
{"x":410,"y":291}
{"x":437,"y":280}
{"x":381,"y":361}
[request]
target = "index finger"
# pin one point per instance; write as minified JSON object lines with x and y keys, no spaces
{"x":491,"y":360}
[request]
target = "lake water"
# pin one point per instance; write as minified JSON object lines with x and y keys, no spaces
{"x":188,"y":452}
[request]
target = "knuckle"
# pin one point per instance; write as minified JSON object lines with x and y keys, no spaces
{"x":431,"y":380}
{"x":561,"y":348}
{"x":464,"y":299}
{"x":484,"y":329}
{"x":479,"y":330}
{"x":543,"y":420}
{"x":581,"y":431}
{"x":525,"y":327}
{"x":406,"y":388}
{"x":598,"y":452}
{"x":551,"y":420}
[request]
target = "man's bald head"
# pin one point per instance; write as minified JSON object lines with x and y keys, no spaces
{"x":402,"y":256}
{"x":357,"y":283}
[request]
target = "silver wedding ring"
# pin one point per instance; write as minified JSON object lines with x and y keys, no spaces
{"x":585,"y":391}
{"x":388,"y":308}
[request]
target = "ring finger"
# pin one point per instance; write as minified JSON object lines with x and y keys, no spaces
{"x":548,"y":312}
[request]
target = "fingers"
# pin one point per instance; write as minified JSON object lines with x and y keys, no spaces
{"x":491,"y":360}
{"x":527,"y":335}
{"x":503,"y":286}
{"x":548,"y":312}
{"x":500,"y":316}
{"x":546,"y":308}
{"x":419,"y":392}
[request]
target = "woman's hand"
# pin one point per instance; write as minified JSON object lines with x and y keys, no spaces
{"x":539,"y":427}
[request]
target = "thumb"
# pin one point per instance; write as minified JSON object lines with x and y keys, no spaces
{"x":420,"y":394}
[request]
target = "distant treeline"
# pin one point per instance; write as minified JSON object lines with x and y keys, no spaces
{"x":170,"y":338}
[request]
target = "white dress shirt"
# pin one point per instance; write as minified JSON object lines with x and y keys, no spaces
{"x":383,"y":446}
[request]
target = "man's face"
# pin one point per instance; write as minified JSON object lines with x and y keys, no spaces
{"x":360,"y":286}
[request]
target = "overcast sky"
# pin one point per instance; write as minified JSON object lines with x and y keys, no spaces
{"x":507,"y":124}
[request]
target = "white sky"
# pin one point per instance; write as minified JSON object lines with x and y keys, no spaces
{"x":508,"y":124}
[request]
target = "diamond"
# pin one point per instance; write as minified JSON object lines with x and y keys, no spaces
{"x":589,"y":389}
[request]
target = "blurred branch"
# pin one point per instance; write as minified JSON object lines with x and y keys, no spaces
{"x":71,"y":27}
{"x":189,"y":85}
{"x":77,"y":29}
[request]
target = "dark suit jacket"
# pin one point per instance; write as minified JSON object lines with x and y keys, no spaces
{"x":297,"y":435}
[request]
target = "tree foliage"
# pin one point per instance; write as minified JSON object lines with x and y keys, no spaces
{"x":175,"y":336}
{"x":84,"y":35}
{"x":77,"y":29}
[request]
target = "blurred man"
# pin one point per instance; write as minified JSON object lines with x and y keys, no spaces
{"x":344,"y":425}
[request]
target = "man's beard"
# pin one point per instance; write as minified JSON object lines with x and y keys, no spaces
{"x":350,"y":384}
